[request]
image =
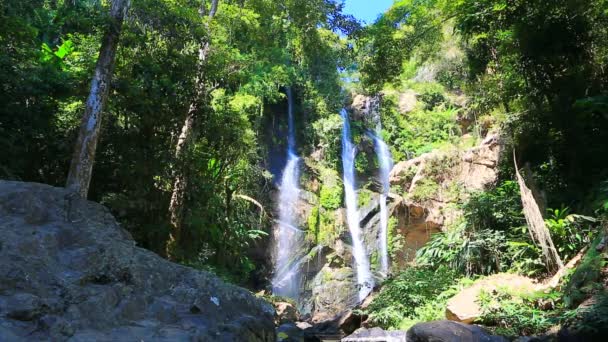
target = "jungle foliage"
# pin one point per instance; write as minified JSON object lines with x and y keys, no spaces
{"x":536,"y":70}
{"x":258,"y":48}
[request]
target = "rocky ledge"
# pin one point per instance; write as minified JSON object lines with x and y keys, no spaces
{"x":69,"y":272}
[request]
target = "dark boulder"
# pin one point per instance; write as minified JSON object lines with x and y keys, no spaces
{"x":69,"y":272}
{"x":449,"y":331}
{"x":376,"y":334}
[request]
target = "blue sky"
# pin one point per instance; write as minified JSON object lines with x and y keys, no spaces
{"x":366,"y":10}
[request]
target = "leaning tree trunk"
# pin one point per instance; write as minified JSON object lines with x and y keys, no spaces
{"x":81,"y":167}
{"x":181,"y":181}
{"x":538,"y":230}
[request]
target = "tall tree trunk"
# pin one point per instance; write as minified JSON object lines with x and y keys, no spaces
{"x":536,"y":224}
{"x":181,"y":182}
{"x":83,"y":158}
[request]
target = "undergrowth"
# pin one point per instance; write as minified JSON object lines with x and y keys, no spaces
{"x":417,"y":294}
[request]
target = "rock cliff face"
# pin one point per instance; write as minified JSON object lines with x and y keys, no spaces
{"x":69,"y":272}
{"x":431,"y":186}
{"x":424,"y":199}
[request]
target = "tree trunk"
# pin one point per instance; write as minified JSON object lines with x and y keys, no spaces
{"x":81,"y":167}
{"x":181,"y":182}
{"x":536,"y":224}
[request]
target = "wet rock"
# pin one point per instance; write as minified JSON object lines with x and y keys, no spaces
{"x":449,"y":331}
{"x":289,"y":332}
{"x":286,"y":312}
{"x":333,"y":292}
{"x":365,"y":108}
{"x":350,"y":321}
{"x":24,"y":307}
{"x":374,"y":335}
{"x":68,"y":271}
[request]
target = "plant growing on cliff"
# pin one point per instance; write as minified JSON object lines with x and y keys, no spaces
{"x":395,"y":239}
{"x":332,"y":191}
{"x":401,"y":295}
{"x":467,"y":252}
{"x":424,"y":190}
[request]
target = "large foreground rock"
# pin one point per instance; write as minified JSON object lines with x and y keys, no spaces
{"x":69,"y":272}
{"x":448,"y":331}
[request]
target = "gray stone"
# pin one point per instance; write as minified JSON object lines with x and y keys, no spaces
{"x":375,"y":335}
{"x":449,"y":331}
{"x":69,"y":272}
{"x":289,"y":332}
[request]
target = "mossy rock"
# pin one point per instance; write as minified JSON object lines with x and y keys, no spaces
{"x":332,"y":191}
{"x":324,"y":226}
{"x":424,"y":190}
{"x":329,"y":227}
{"x":364,"y":197}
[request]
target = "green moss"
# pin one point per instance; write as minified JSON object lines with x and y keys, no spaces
{"x":327,"y":276}
{"x":328,"y":228}
{"x":453,"y":192}
{"x":364,"y":197}
{"x":331,"y":189}
{"x":424,"y":190}
{"x":331,"y":196}
{"x":394,"y":239}
{"x":313,"y":225}
{"x":362,"y":162}
{"x":374,"y":259}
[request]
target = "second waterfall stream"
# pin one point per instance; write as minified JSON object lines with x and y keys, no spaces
{"x":386,"y":165}
{"x":365,"y":281}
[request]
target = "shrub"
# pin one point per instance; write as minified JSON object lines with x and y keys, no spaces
{"x":511,"y":315}
{"x":426,"y":189}
{"x":402,"y":295}
{"x":467,"y":252}
{"x":570,"y":232}
{"x":331,"y":196}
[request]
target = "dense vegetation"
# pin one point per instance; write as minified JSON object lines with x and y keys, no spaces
{"x":257,"y":49}
{"x":536,"y":70}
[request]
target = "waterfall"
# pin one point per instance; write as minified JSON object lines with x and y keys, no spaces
{"x":386,"y":165}
{"x":364,"y":276}
{"x":286,"y":281}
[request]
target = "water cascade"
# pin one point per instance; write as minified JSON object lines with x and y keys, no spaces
{"x":286,"y":281}
{"x":386,"y":165}
{"x":364,"y":277}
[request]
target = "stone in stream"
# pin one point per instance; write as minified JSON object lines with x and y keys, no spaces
{"x":449,"y":331}
{"x":286,"y":312}
{"x":376,"y":335}
{"x":69,"y":272}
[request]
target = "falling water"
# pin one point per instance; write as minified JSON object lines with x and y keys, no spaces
{"x":386,"y":164}
{"x":364,"y":276}
{"x":286,"y":279}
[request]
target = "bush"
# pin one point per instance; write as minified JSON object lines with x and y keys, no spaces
{"x":492,"y":236}
{"x":511,"y":315}
{"x":331,"y":196}
{"x":570,"y":232}
{"x":421,"y":130}
{"x":467,"y":252}
{"x":411,"y":296}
